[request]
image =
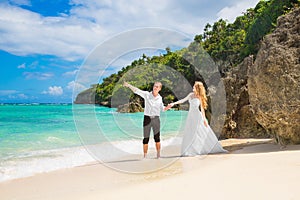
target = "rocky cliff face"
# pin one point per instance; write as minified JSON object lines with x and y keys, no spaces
{"x":240,"y":120}
{"x":263,"y":98}
{"x":274,"y":81}
{"x":131,"y":107}
{"x":85,"y":97}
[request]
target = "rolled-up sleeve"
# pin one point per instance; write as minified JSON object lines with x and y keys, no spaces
{"x":162,"y":107}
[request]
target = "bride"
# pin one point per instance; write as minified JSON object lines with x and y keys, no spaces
{"x":198,"y":137}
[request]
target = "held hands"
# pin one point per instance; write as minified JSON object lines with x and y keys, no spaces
{"x":167,"y":107}
{"x":171,"y":105}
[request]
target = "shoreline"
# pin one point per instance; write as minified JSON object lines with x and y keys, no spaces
{"x":169,"y":151}
{"x":252,"y":162}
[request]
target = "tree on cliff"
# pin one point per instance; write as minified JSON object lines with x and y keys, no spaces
{"x":227,"y":43}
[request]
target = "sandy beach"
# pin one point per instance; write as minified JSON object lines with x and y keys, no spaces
{"x":253,"y":169}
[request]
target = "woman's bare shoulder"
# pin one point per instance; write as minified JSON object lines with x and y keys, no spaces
{"x":191,"y":94}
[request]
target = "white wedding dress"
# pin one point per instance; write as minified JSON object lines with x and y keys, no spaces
{"x":198,"y":139}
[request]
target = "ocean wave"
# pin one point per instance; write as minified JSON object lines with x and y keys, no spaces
{"x":30,"y":163}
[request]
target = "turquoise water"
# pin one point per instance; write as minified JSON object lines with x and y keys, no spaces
{"x":34,"y":135}
{"x":36,"y":127}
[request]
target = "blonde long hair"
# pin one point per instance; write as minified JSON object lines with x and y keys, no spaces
{"x":200,"y":93}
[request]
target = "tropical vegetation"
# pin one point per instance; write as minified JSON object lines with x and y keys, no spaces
{"x":227,"y":44}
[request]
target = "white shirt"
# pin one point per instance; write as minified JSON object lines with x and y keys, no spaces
{"x":153,"y":105}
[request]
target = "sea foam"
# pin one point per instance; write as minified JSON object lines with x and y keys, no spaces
{"x":34,"y":162}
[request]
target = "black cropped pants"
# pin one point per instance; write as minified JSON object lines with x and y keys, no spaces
{"x":148,"y":124}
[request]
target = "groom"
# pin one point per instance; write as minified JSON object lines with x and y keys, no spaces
{"x":153,"y":106}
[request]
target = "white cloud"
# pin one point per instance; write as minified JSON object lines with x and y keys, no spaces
{"x":12,"y":94}
{"x":22,"y":96}
{"x":71,"y":37}
{"x":38,"y":75}
{"x":54,"y":90}
{"x":71,"y":73}
{"x":231,"y":12}
{"x":22,"y":66}
{"x":25,"y":32}
{"x":7,"y":92}
{"x":18,"y":96}
{"x":32,"y":65}
{"x":75,"y":86}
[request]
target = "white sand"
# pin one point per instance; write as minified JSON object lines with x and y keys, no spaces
{"x":261,"y":171}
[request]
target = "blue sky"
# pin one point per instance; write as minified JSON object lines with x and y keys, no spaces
{"x":43,"y":43}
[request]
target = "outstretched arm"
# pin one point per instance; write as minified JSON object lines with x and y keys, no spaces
{"x":181,"y":100}
{"x":135,"y":90}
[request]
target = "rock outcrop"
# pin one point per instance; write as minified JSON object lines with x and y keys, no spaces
{"x":274,"y":81}
{"x":85,"y":97}
{"x":263,"y":98}
{"x":130,"y":107}
{"x":240,"y":121}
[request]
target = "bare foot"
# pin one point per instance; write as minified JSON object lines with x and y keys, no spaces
{"x":158,"y":155}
